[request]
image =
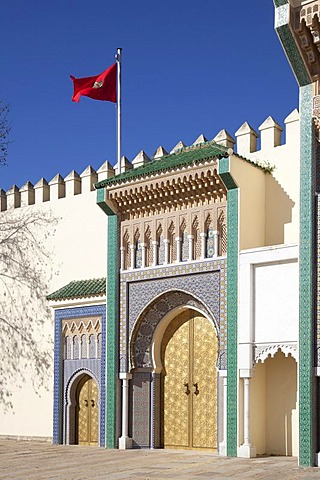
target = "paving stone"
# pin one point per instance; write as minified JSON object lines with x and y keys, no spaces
{"x":21,"y":460}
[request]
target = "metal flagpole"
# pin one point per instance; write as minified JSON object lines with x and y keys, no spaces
{"x":119,"y":129}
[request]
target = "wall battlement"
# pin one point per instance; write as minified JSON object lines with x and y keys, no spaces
{"x":73,"y":184}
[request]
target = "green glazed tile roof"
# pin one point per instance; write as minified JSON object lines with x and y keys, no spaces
{"x":185,"y":156}
{"x":80,"y":288}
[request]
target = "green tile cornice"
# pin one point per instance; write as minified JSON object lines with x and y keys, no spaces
{"x":103,"y":204}
{"x":287,"y":40}
{"x":278,"y":3}
{"x":184,"y":157}
{"x":80,"y":289}
{"x":224,"y":172}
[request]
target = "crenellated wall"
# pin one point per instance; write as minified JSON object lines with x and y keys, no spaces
{"x":282,"y":186}
{"x":57,"y":188}
{"x":273,"y":152}
{"x":67,"y":242}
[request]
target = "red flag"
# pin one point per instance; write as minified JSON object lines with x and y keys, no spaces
{"x":100,"y":87}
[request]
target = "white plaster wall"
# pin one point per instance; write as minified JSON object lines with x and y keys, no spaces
{"x":268,"y":321}
{"x":268,"y":300}
{"x":276,"y":302}
{"x":74,"y":241}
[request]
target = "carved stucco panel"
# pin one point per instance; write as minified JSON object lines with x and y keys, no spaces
{"x":149,"y":301}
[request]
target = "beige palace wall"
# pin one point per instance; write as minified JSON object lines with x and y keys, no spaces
{"x":71,"y":236}
{"x":282,"y":185}
{"x":251,"y":181}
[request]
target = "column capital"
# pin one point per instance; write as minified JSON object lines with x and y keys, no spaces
{"x":125,"y":376}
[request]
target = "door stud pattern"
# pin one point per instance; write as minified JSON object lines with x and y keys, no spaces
{"x":190,"y":352}
{"x":87,"y":409}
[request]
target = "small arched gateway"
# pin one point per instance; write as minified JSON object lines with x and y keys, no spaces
{"x":82,"y":409}
{"x":79,"y":367}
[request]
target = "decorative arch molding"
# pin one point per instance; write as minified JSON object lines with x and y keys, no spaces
{"x":73,"y":381}
{"x":148,"y":321}
{"x":204,"y":286}
{"x":270,"y":351}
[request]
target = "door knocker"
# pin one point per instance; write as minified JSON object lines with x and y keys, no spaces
{"x":196,"y":391}
{"x":187,"y":390}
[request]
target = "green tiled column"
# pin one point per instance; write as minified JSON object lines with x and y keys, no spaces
{"x":307,"y":283}
{"x":112,"y":319}
{"x":232,"y":305}
{"x":307,"y":413}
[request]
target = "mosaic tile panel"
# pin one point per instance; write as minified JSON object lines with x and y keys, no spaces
{"x":232,"y":321}
{"x":141,"y":409}
{"x":204,"y":286}
{"x":306,"y":255}
{"x":151,"y":317}
{"x":232,"y":302}
{"x":155,"y":275}
{"x":112,"y":333}
{"x":184,"y":247}
{"x":318,"y":277}
{"x":57,"y":393}
{"x":74,"y":366}
{"x":210,"y":243}
{"x":155,"y":410}
{"x":60,"y":380}
{"x":139,"y":254}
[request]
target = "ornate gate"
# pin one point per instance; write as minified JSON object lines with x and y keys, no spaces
{"x":189,"y":353}
{"x":87,"y":412}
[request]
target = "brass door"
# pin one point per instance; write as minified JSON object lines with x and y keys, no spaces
{"x":87,"y":412}
{"x":189,"y":350}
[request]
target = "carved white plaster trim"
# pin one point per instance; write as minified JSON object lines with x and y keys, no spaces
{"x":265,"y":351}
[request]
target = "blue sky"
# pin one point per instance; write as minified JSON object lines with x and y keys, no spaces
{"x":189,"y":67}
